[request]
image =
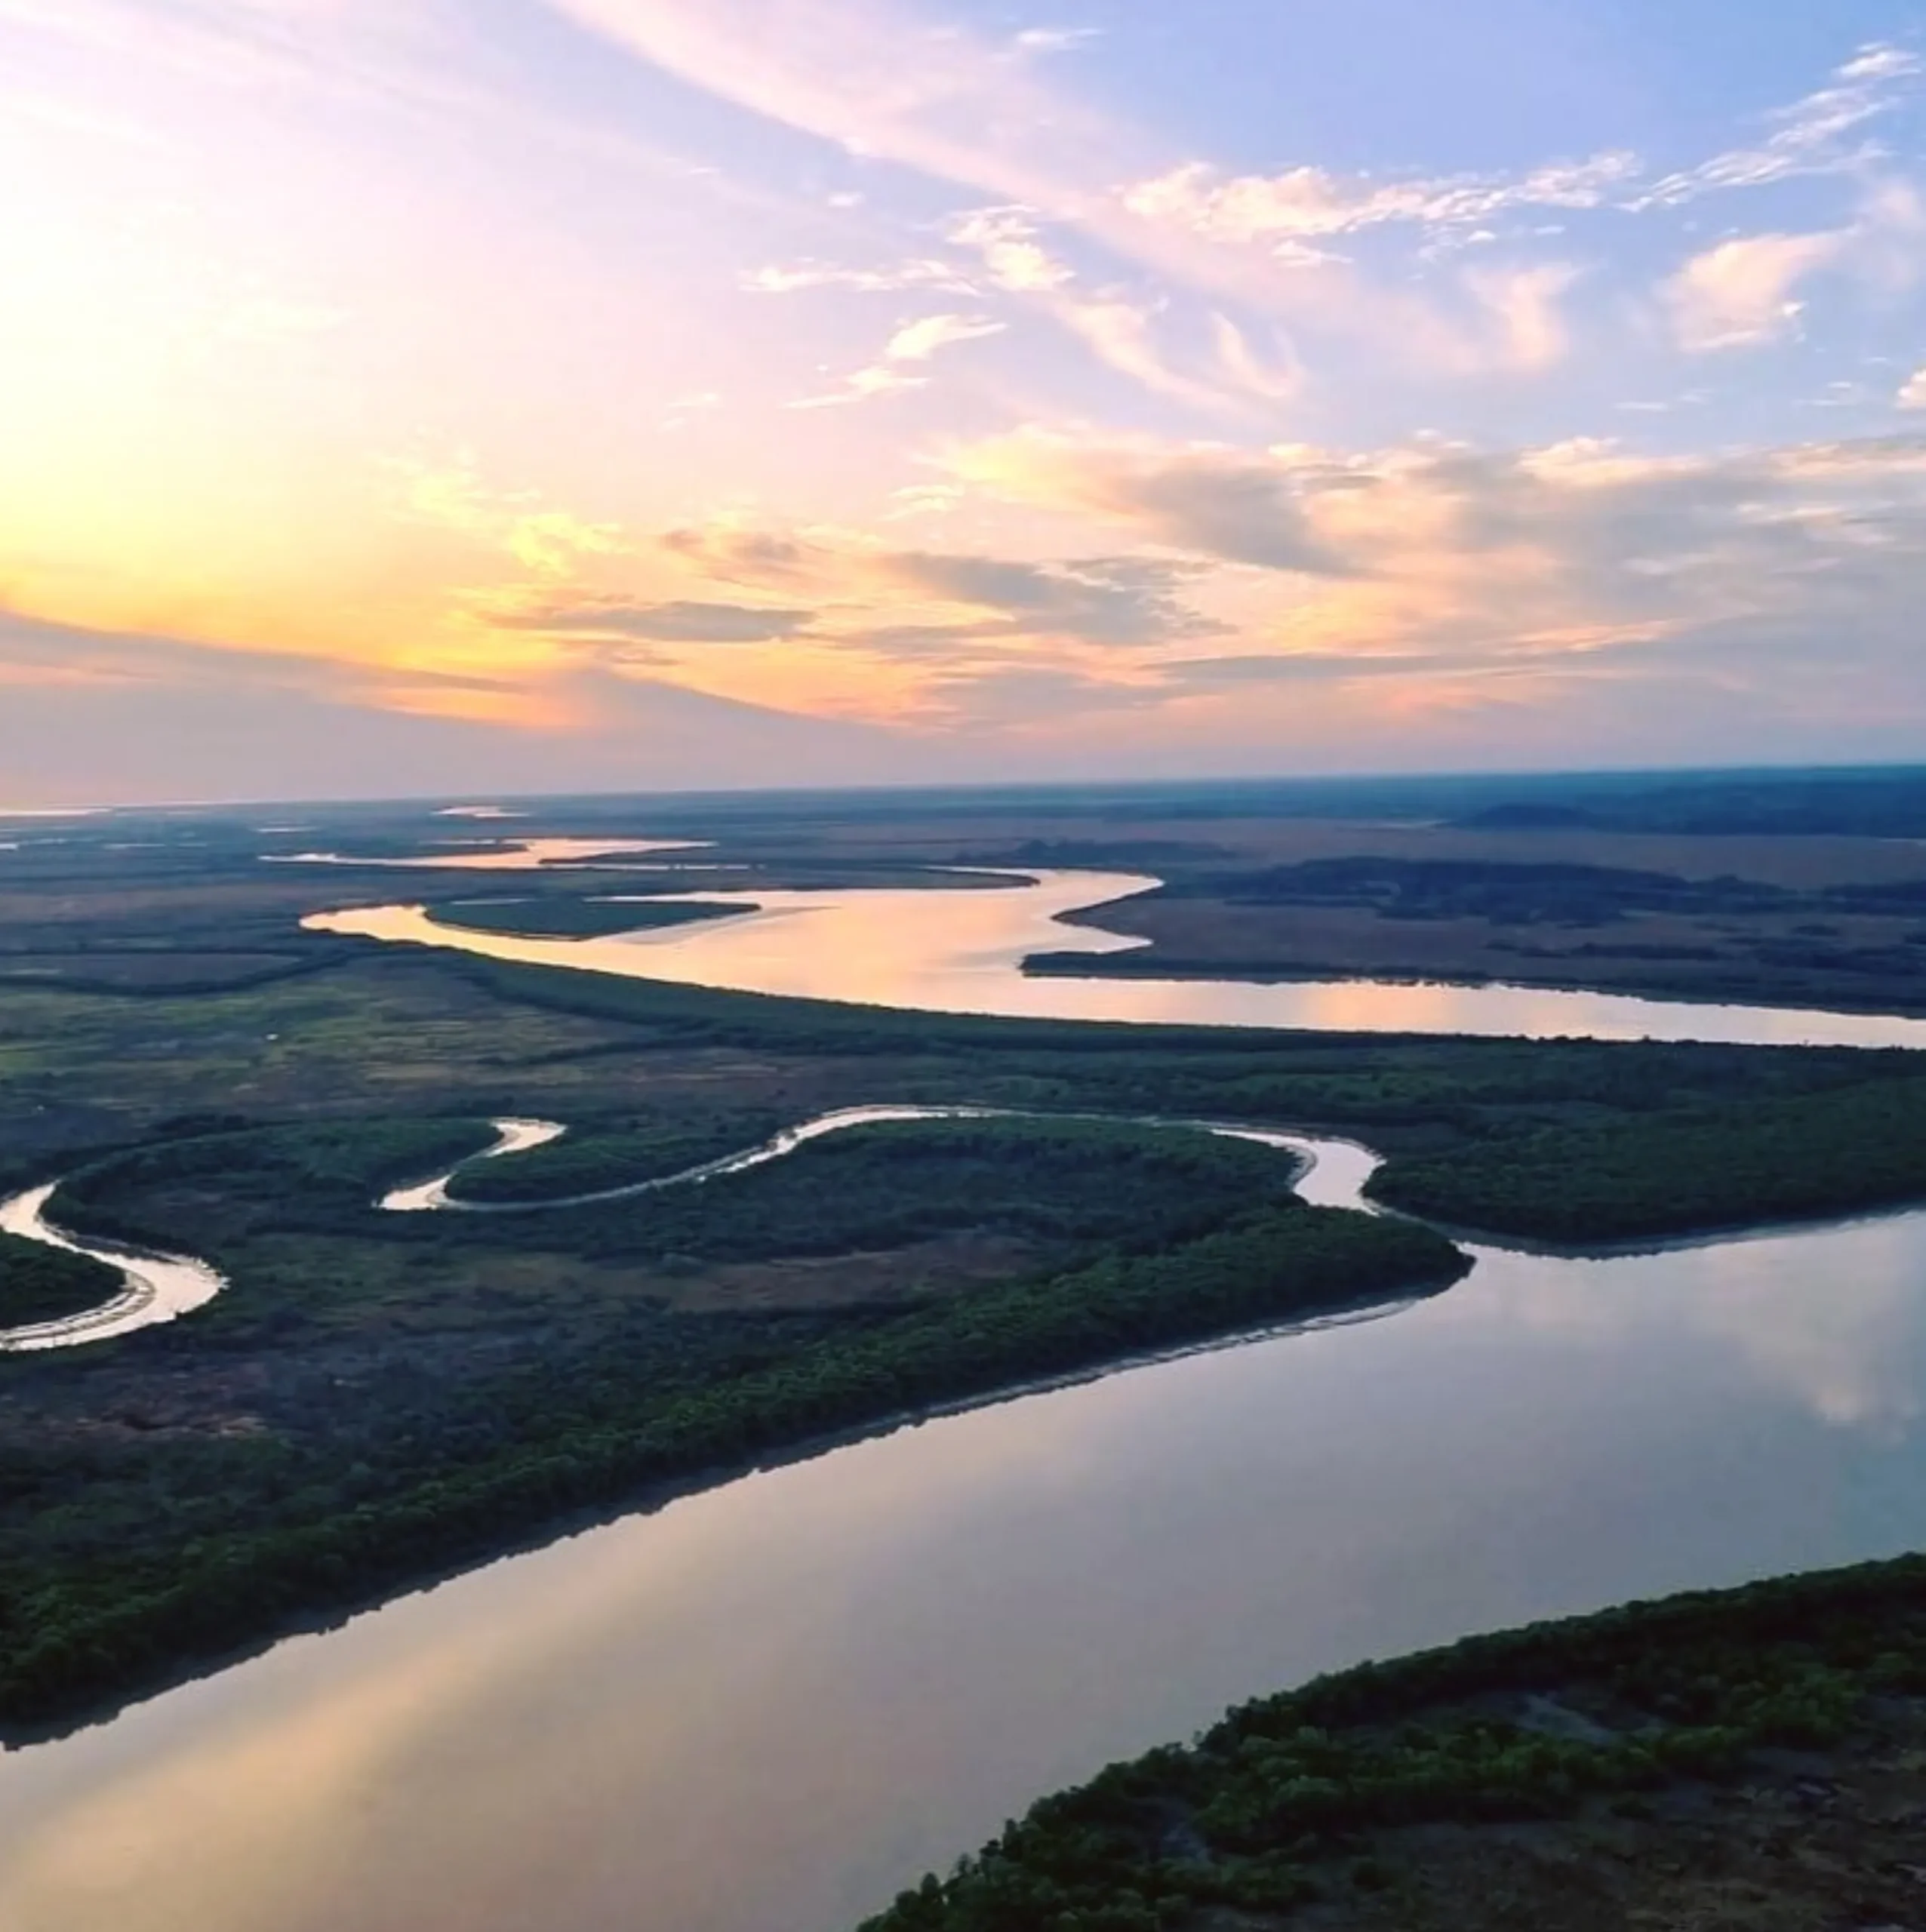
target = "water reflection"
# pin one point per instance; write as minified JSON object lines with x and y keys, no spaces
{"x":519,"y":855}
{"x":765,"y":1707}
{"x":962,"y":951}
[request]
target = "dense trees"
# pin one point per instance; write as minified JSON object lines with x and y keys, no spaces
{"x":39,"y":1283}
{"x":589,"y":1160}
{"x":1857,"y":1148}
{"x":1064,"y":1183}
{"x":115,"y":1571}
{"x":1546,"y":892}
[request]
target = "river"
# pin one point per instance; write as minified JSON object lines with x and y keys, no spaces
{"x":960,"y":950}
{"x":765,"y":1707}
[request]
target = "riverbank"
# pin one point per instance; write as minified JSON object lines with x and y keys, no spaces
{"x":285,"y":1535}
{"x":1743,"y":1758}
{"x":1388,"y":965}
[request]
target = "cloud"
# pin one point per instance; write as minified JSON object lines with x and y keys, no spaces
{"x":1809,"y":138}
{"x":878,"y":81}
{"x":1525,"y":305}
{"x":859,"y":595}
{"x":678,"y":621}
{"x":1745,"y":290}
{"x":731,"y":552}
{"x":157,"y":669}
{"x":1912,"y":393}
{"x":1006,"y":239}
{"x":917,"y":341}
{"x":1208,"y":500}
{"x":1241,"y":365}
{"x":1119,"y":329}
{"x":1095,"y":600}
{"x":1878,"y":61}
{"x":1055,"y":40}
{"x":1741,"y":292}
{"x":452,"y":496}
{"x":865,"y":385}
{"x":804,"y":276}
{"x":1300,"y":666}
{"x":1435,"y":567}
{"x":1291,"y":212}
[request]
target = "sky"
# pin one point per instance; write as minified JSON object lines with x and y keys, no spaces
{"x":419,"y":396}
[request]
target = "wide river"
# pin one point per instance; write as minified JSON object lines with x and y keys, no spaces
{"x":961,"y":950}
{"x":765,"y":1707}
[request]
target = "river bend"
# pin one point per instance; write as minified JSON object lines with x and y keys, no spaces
{"x":962,"y":949}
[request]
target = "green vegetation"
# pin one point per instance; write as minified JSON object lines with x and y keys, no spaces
{"x":1302,"y":1797}
{"x":312,"y":1177}
{"x":575,"y":919}
{"x":886,"y":1181}
{"x":1549,"y":893}
{"x":1850,"y":942}
{"x":40,"y":1283}
{"x":1805,"y":1155}
{"x":116,"y":1569}
{"x":380,"y":1396}
{"x":1068,"y":1185}
{"x":624,"y":1155}
{"x":1064,"y":1184}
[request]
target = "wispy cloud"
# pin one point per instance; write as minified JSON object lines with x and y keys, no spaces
{"x":1055,"y":40}
{"x":1746,"y":289}
{"x":914,"y":343}
{"x":1292,"y":212}
{"x":878,"y":80}
{"x":1210,"y":499}
{"x":892,"y":280}
{"x":1526,"y":306}
{"x":1742,"y":291}
{"x":452,"y":496}
{"x":1297,"y":212}
{"x":917,"y":341}
{"x":681,"y":620}
{"x":1808,"y":137}
{"x":1120,"y":328}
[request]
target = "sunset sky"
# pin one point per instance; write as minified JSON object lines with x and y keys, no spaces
{"x":404,"y":396}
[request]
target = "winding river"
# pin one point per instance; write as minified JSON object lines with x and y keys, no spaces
{"x":764,"y":1707}
{"x":154,"y":1286}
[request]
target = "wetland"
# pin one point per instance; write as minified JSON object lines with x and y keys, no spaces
{"x":932,"y":1462}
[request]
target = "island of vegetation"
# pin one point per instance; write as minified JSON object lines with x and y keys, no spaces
{"x":38,"y":1284}
{"x":615,"y":1154}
